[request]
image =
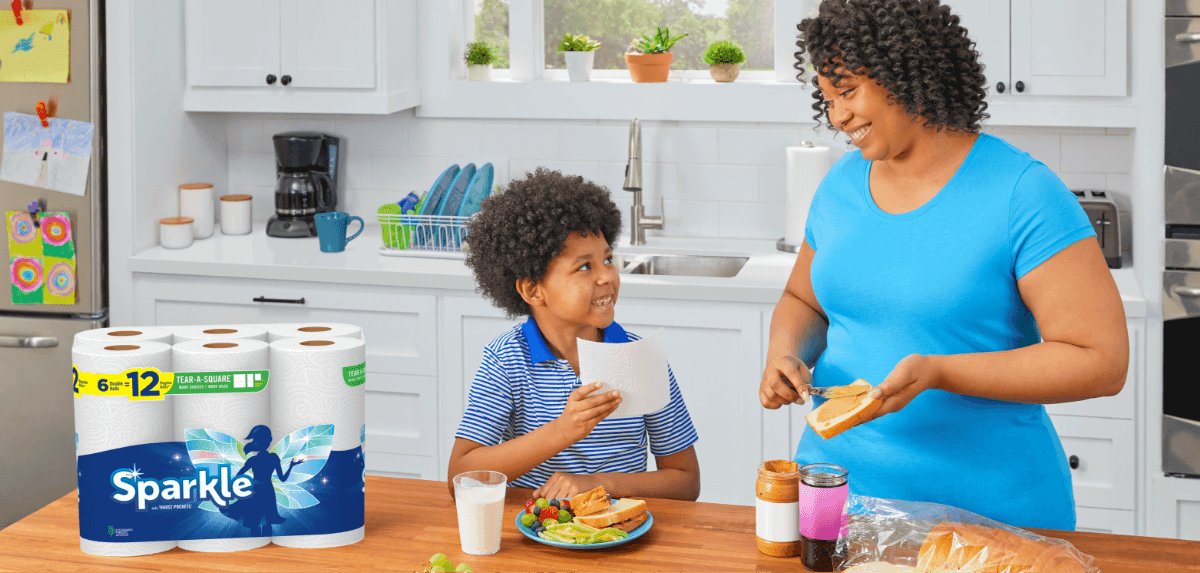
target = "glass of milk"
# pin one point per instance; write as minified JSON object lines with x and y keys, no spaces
{"x":479,"y":497}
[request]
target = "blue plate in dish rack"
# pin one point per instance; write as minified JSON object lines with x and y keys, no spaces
{"x":438,"y":191}
{"x":478,"y":190}
{"x":458,"y":188}
{"x":636,"y":533}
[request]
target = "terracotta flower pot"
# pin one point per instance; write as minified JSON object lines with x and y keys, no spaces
{"x":724,"y":72}
{"x":646,"y":68}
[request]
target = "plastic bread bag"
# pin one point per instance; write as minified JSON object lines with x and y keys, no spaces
{"x":893,"y":536}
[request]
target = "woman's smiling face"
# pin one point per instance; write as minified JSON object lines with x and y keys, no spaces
{"x":861,"y":108}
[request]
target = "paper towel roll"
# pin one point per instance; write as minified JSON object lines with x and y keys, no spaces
{"x":124,"y":334}
{"x":312,"y":330}
{"x":108,"y":422}
{"x":231,"y":414}
{"x":218,"y":332}
{"x":307,"y":388}
{"x":806,"y":167}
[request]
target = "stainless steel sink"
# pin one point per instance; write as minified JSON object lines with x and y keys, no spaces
{"x":683,"y":265}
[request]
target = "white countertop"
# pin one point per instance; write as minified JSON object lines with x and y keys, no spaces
{"x":258,"y":256}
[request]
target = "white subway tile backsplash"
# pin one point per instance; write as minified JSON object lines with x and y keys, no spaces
{"x":718,"y":182}
{"x":595,"y":143}
{"x":1098,"y":154}
{"x":715,"y":180}
{"x":751,"y":220}
{"x":760,"y":145}
{"x":520,"y":141}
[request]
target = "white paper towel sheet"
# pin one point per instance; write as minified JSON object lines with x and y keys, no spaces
{"x":638,"y":369}
{"x":806,"y":168}
{"x":124,"y":334}
{"x":307,"y":388}
{"x":312,"y":330}
{"x":109,"y":422}
{"x":231,"y":414}
{"x":218,"y":332}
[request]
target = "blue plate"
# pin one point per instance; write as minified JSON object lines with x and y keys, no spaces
{"x":477,"y":191}
{"x":438,"y":191}
{"x":458,"y":188}
{"x":636,"y":533}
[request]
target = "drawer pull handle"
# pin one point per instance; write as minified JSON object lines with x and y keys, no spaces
{"x":28,"y":342}
{"x":279,"y":300}
{"x":1185,"y":291}
{"x":1073,"y":461}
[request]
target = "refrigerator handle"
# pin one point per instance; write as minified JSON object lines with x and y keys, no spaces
{"x":28,"y":341}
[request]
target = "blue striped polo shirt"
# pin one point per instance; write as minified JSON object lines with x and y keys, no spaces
{"x":521,"y":385}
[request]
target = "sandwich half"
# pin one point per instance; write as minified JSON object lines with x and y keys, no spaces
{"x":626,"y":514}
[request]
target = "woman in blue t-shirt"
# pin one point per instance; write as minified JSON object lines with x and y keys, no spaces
{"x":948,"y":267}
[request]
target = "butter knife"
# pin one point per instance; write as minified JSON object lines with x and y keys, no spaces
{"x":829,"y":392}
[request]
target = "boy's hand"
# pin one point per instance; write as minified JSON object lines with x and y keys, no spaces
{"x":562,"y":485}
{"x":583,"y":412}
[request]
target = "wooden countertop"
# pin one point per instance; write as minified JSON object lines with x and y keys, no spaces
{"x":409,"y":520}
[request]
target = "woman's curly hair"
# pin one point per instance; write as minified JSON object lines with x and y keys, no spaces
{"x":518,"y":232}
{"x":917,"y":49}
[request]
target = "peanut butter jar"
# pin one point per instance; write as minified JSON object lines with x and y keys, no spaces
{"x":777,"y":503}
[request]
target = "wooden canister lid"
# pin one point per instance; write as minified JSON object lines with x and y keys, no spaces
{"x":235,"y":197}
{"x":176,"y":221}
{"x":196,"y":186}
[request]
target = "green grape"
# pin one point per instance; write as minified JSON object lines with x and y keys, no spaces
{"x":437,"y":557}
{"x":462,"y":568}
{"x":446,"y":564}
{"x":437,"y":569}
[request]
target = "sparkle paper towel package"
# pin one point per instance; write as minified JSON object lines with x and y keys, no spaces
{"x":215,"y":445}
{"x":218,"y":332}
{"x":312,"y":330}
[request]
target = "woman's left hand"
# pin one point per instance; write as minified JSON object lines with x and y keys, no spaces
{"x":562,"y":485}
{"x":911,"y":376}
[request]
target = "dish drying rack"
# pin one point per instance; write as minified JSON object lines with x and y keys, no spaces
{"x":436,"y":236}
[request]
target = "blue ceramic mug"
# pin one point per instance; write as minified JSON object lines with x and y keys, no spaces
{"x":331,"y":230}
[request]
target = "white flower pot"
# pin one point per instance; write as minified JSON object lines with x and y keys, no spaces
{"x":479,"y":73}
{"x":579,"y":65}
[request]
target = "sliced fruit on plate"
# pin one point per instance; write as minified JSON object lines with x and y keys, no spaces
{"x":837,"y":415}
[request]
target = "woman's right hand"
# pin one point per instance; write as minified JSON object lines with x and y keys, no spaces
{"x":785,"y":381}
{"x":584,"y":411}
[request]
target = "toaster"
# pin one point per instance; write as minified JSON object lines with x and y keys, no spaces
{"x":1102,"y":212}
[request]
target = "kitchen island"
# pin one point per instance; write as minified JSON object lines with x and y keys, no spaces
{"x":409,"y":520}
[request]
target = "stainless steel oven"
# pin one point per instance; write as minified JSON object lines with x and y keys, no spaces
{"x":1181,"y":279}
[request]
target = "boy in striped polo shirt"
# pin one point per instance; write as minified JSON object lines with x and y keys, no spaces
{"x":543,"y":249}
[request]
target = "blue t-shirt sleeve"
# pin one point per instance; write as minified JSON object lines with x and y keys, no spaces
{"x":1044,"y":217}
{"x":670,"y":429}
{"x":489,"y":403}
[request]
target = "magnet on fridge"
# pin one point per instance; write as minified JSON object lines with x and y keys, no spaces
{"x":16,"y":8}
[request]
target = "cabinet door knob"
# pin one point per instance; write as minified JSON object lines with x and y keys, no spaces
{"x":279,"y":300}
{"x":285,"y":80}
{"x":1073,"y":461}
{"x":270,"y":79}
{"x":1000,"y":87}
{"x":1020,"y":86}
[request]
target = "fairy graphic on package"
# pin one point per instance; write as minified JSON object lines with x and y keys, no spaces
{"x":307,"y":449}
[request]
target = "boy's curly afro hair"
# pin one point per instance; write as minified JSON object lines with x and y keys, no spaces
{"x":518,"y":232}
{"x":917,"y":49}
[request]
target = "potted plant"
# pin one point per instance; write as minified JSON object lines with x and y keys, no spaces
{"x":479,"y":57}
{"x":724,"y":59}
{"x":649,"y":58}
{"x":580,"y":53}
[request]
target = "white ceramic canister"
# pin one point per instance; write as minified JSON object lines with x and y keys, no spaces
{"x":235,"y":214}
{"x":175,"y":232}
{"x":196,"y":200}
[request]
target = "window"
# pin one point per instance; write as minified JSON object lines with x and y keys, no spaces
{"x":615,"y":23}
{"x":491,"y":26}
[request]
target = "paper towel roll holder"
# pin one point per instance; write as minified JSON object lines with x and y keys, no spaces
{"x":782,"y":243}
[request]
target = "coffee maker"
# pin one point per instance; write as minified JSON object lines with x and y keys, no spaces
{"x":306,"y":182}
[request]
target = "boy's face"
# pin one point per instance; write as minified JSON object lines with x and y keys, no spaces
{"x":581,"y":284}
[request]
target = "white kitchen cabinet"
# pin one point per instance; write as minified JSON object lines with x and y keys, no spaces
{"x":1050,"y":47}
{"x":401,"y":327}
{"x":714,"y":349}
{"x":1174,"y":508}
{"x":1102,"y":457}
{"x":300,"y":56}
{"x":1115,"y":521}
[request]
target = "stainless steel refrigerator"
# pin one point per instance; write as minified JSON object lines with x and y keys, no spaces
{"x":37,"y":436}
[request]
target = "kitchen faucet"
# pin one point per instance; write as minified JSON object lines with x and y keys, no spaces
{"x":633,"y":182}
